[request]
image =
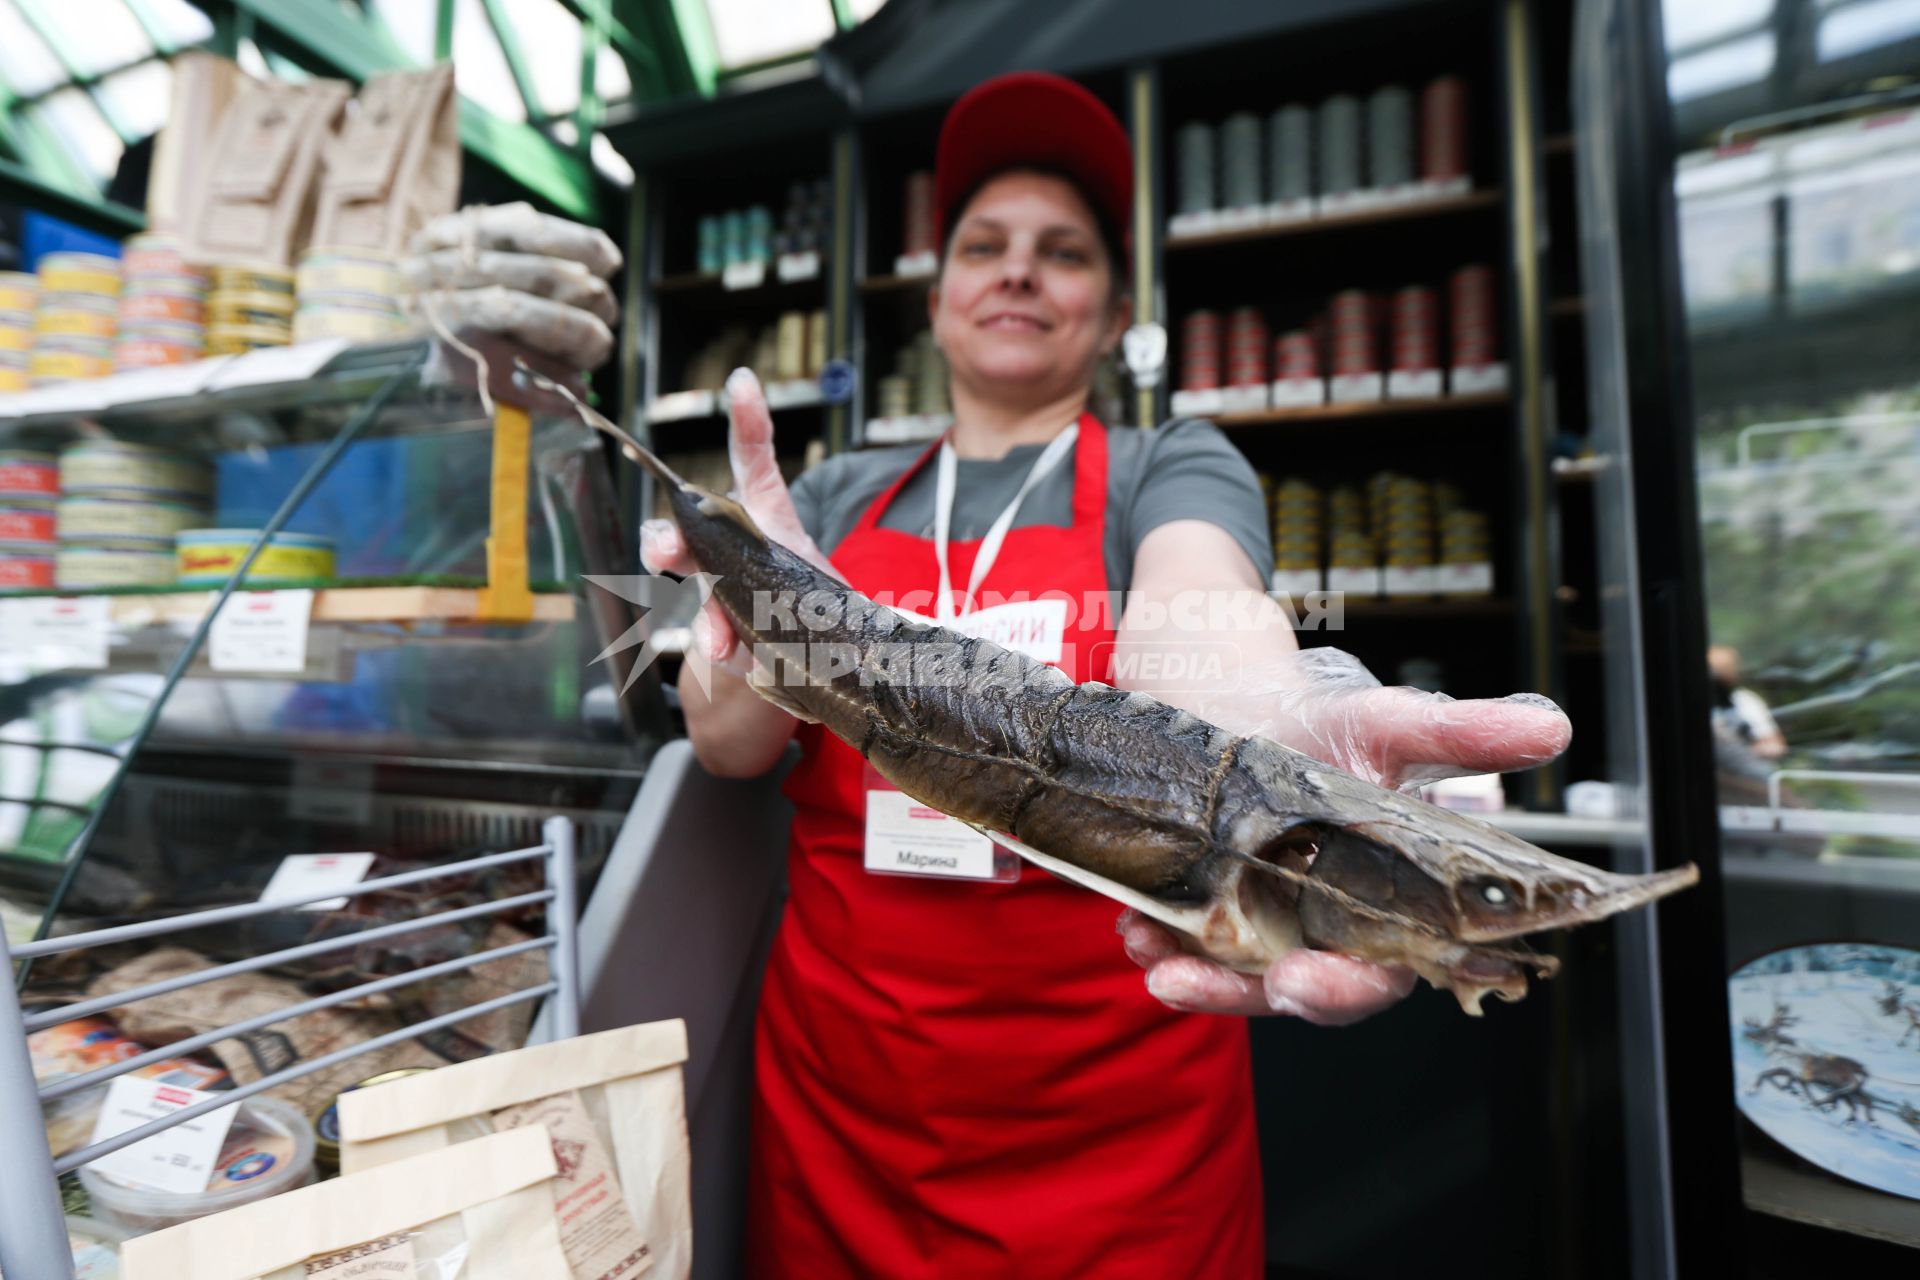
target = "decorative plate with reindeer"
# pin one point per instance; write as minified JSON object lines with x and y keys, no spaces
{"x":1826,"y":1057}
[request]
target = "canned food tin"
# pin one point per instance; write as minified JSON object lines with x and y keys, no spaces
{"x":1443,"y":129}
{"x":19,"y":290}
{"x":20,"y":524}
{"x":84,"y":565}
{"x":59,"y":366}
{"x":144,"y":354}
{"x":209,"y":556}
{"x":252,"y":279}
{"x":100,"y":516}
{"x":178,"y":308}
{"x":15,"y":338}
{"x":116,"y":465}
{"x":29,"y":474}
{"x":72,"y":323}
{"x":26,"y":572}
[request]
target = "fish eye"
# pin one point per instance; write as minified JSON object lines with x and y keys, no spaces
{"x":1495,"y":893}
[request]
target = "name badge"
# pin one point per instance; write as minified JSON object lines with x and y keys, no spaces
{"x":1036,"y":628}
{"x":906,"y":838}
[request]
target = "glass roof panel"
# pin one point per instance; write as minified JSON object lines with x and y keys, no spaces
{"x":100,"y":35}
{"x":1860,"y":27}
{"x":480,"y":70}
{"x":26,"y":64}
{"x":1696,"y":22}
{"x":610,"y":77}
{"x":1724,"y":66}
{"x":413,"y":23}
{"x":549,"y":39}
{"x":183,"y":23}
{"x":139,"y":97}
{"x":77,"y":123}
{"x":756,"y":30}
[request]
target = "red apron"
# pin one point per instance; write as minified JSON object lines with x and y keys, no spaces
{"x":969,"y":1079}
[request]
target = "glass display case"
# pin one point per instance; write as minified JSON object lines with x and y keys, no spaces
{"x":432,"y":683}
{"x":1750,"y":200}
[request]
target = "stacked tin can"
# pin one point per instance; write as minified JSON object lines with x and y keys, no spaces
{"x":19,"y":295}
{"x":1299,"y":526}
{"x":1295,"y":356}
{"x":1415,"y":330}
{"x":1339,"y":145}
{"x":348,"y":293}
{"x":1355,"y":350}
{"x":928,"y":369}
{"x":1290,"y":154}
{"x":1463,"y":536}
{"x":163,"y":307}
{"x":1390,"y":137}
{"x":806,"y":224}
{"x":1349,"y":544}
{"x":1246,"y":348}
{"x":1200,"y":351}
{"x":917,"y":231}
{"x":1194,"y":155}
{"x":29,"y":488}
{"x":249,"y":307}
{"x":712,"y":244}
{"x":75,"y":317}
{"x":1443,"y":130}
{"x":1241,"y":184}
{"x":1471,"y":321}
{"x":120,"y":507}
{"x":1403,"y":517}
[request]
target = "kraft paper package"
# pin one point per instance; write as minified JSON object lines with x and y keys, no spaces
{"x":394,"y":166}
{"x":479,"y":1211}
{"x":615,"y":1106}
{"x":258,"y":201}
{"x":204,"y":85}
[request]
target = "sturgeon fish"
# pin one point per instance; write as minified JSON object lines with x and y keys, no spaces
{"x":1246,"y":847}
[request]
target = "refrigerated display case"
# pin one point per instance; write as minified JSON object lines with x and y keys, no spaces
{"x":1749,"y":180}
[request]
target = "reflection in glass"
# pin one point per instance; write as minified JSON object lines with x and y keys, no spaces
{"x":1867,"y":25}
{"x":1725,"y":66}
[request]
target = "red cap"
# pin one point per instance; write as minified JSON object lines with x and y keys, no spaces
{"x":1034,"y":118}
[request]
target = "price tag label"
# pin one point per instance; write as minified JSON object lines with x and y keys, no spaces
{"x":743,"y":275}
{"x":262,"y":631}
{"x":178,"y":1160}
{"x":270,"y":365}
{"x":924,"y":263}
{"x":300,"y":874}
{"x":1347,"y":388}
{"x":798,"y":266}
{"x":904,"y":837}
{"x":1409,"y":384}
{"x":1481,"y":379}
{"x":58,"y":633}
{"x":1297,"y":393}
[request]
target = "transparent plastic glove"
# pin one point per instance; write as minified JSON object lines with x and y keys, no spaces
{"x":518,"y":228}
{"x":1326,"y":704}
{"x":578,"y":338}
{"x":560,"y":280}
{"x":760,"y":488}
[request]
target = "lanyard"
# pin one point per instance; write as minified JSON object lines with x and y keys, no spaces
{"x":990,"y":545}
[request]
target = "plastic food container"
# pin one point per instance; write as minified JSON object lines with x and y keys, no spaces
{"x":208,"y":557}
{"x":96,"y":1248}
{"x":268,"y":1150}
{"x":135,"y":468}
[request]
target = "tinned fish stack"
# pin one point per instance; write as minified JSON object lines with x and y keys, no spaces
{"x":917,"y":217}
{"x":1299,"y":527}
{"x":1295,"y":356}
{"x":1194,"y":154}
{"x":1472,"y":329}
{"x":1349,"y":543}
{"x":1339,"y":145}
{"x":1200,"y":351}
{"x":1403,"y":510}
{"x":1390,"y":138}
{"x":1246,"y":348}
{"x":347,"y":293}
{"x":1355,"y":350}
{"x":163,"y":307}
{"x":249,"y":307}
{"x":1415,"y":330}
{"x":19,"y":295}
{"x":29,"y":486}
{"x":1290,"y":154}
{"x":1443,"y":131}
{"x":75,"y":317}
{"x":120,"y":507}
{"x":1240,"y":176}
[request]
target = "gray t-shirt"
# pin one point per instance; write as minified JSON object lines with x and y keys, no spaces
{"x":1185,"y":470}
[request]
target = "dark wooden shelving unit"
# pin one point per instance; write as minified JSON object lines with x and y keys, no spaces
{"x":1363,"y":410}
{"x":1384,"y":215}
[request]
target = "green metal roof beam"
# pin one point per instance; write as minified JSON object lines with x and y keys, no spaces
{"x":516,"y":58}
{"x":587,"y":115}
{"x":843,"y":16}
{"x":156,"y":31}
{"x":57,"y":41}
{"x":358,"y":48}
{"x":695,"y":31}
{"x":622,"y":38}
{"x":443,"y":32}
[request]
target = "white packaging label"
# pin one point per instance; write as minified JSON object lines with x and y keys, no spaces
{"x":1290,"y":210}
{"x":261,"y":631}
{"x":1332,"y":206}
{"x":743,"y":275}
{"x":1412,"y":580}
{"x":58,"y":633}
{"x":916,"y":264}
{"x":1463,"y":579}
{"x":300,"y":874}
{"x":382,"y":1259}
{"x":1408,"y":384}
{"x":1354,"y":582}
{"x":676,"y":405}
{"x":1244,"y":218}
{"x":1350,"y":388}
{"x":1479,"y":379}
{"x":904,"y":837}
{"x":178,"y":1160}
{"x":1297,"y":393}
{"x":1198,"y":404}
{"x":1243,"y":399}
{"x":1183,"y":224}
{"x":793,"y":393}
{"x":798,"y":266}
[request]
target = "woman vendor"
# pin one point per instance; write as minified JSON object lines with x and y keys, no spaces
{"x":967,"y":1076}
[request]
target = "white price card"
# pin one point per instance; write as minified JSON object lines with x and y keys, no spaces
{"x":262,"y":631}
{"x":178,"y":1160}
{"x":300,"y":874}
{"x":58,"y":633}
{"x":744,"y":275}
{"x":798,"y":266}
{"x":924,"y":263}
{"x":273,"y":365}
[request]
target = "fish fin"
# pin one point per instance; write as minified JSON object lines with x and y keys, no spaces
{"x":762,"y":682}
{"x":1186,"y":919}
{"x":715,"y":504}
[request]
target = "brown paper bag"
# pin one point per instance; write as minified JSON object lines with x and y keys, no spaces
{"x":485,"y":1204}
{"x":204,"y":85}
{"x":266,"y":157}
{"x":395,"y":164}
{"x":613,"y":1101}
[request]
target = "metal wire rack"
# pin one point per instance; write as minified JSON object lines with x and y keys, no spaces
{"x":33,"y":1236}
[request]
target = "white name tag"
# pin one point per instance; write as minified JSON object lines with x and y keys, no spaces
{"x":1036,"y":628}
{"x":906,"y":838}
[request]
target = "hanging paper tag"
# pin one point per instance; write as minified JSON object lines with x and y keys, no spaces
{"x":300,"y":874}
{"x":906,"y":838}
{"x":178,"y":1160}
{"x":262,"y":631}
{"x":600,"y":1237}
{"x":58,"y":633}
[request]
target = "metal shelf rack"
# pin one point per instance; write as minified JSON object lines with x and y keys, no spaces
{"x":33,"y":1238}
